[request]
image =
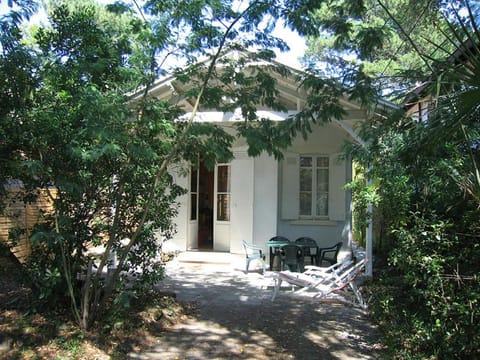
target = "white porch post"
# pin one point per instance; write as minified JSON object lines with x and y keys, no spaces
{"x":369,"y":230}
{"x":369,"y":235}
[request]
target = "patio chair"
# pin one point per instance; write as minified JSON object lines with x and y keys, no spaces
{"x":292,"y":257}
{"x":322,"y":282}
{"x":274,"y":245}
{"x":253,"y":252}
{"x":310,"y":248}
{"x":329,"y":254}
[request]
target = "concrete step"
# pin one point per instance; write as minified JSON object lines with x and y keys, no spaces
{"x":209,"y":257}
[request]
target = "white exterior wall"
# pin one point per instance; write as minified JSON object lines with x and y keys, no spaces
{"x":325,"y":140}
{"x":179,"y":241}
{"x":265,"y":199}
{"x":242,"y":199}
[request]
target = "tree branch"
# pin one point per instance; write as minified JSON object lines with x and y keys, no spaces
{"x":170,"y":157}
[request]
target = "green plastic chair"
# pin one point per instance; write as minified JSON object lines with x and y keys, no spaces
{"x":292,"y":257}
{"x":330,"y":254}
{"x":253,"y":252}
{"x":310,"y":248}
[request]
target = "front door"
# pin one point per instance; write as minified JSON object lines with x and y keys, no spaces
{"x":209,"y":226}
{"x":201,"y":208}
{"x":205,"y":207}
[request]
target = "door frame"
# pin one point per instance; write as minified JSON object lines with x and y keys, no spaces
{"x":202,"y":203}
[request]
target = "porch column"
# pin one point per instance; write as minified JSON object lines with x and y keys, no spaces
{"x":369,"y":235}
{"x":369,"y":230}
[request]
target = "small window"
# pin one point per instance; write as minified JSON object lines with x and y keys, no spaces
{"x":223,"y":193}
{"x":314,"y":185}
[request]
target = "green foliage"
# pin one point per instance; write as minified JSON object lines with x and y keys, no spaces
{"x":78,"y":136}
{"x":383,"y":41}
{"x":362,"y":197}
{"x":72,"y":344}
{"x":424,"y":174}
{"x":17,"y":81}
{"x":428,"y":232}
{"x":427,"y":303}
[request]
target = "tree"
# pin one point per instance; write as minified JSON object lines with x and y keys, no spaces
{"x":104,"y":158}
{"x":392,"y":44}
{"x":425,"y":178}
{"x":17,"y":64}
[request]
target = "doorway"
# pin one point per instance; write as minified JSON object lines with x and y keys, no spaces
{"x":205,"y":207}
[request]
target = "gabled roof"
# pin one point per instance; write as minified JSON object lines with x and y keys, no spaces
{"x":291,"y":94}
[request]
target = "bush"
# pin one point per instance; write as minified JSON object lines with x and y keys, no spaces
{"x":426,"y":301}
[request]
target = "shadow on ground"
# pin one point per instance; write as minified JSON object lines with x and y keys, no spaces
{"x":235,"y":319}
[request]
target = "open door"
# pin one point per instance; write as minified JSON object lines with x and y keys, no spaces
{"x":205,"y":207}
{"x":201,"y":208}
{"x":193,"y":213}
{"x":242,"y":194}
{"x":222,"y":207}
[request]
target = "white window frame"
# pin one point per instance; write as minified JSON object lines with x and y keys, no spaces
{"x":314,"y":186}
{"x":227,"y":193}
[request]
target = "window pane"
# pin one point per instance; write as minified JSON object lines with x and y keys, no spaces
{"x":322,"y":161}
{"x":223,"y":207}
{"x":193,"y":211}
{"x":314,"y":186}
{"x":193,"y":180}
{"x":306,"y":161}
{"x":223,"y":181}
{"x":305,"y":203}
{"x":322,"y":180}
{"x":322,"y":204}
{"x":305,"y":180}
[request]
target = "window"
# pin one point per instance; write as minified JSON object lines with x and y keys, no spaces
{"x":223,"y":193}
{"x":193,"y":193}
{"x":314,"y":175}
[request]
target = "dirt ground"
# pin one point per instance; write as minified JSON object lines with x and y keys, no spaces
{"x":225,"y":313}
{"x":234,"y":318}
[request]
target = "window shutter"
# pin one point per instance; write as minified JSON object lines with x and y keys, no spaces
{"x":290,"y":186}
{"x":336,"y":198}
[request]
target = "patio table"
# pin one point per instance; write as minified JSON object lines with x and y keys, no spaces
{"x":275,"y":252}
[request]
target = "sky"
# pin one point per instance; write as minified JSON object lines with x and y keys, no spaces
{"x":295,"y":42}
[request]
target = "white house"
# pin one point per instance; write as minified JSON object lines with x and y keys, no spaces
{"x":257,"y":198}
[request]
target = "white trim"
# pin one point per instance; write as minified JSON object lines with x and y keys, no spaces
{"x":313,"y":222}
{"x":350,"y":131}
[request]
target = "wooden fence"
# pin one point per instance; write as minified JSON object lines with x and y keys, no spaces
{"x":22,"y":216}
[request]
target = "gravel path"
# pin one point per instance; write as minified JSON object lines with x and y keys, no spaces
{"x":234,"y":318}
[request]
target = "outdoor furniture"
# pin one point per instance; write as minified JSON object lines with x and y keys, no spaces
{"x":253,"y":252}
{"x":274,"y":245}
{"x":329,"y":254}
{"x":322,"y":282}
{"x":292,"y":257}
{"x":310,"y":248}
